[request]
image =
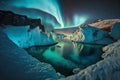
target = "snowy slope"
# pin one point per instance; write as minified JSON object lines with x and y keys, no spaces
{"x":105,"y":24}
{"x":16,"y":64}
{"x":91,"y":34}
{"x":106,"y":69}
{"x":22,"y":38}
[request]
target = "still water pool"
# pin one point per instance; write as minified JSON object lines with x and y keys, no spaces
{"x":66,"y":56}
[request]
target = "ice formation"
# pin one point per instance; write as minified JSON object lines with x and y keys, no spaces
{"x":106,"y":69}
{"x":93,"y":35}
{"x":17,"y":64}
{"x":115,"y":31}
{"x":24,"y":39}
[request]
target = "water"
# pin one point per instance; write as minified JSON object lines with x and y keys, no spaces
{"x":66,"y":56}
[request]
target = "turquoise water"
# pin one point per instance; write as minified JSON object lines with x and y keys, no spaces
{"x":66,"y":56}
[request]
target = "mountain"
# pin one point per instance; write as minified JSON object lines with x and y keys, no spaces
{"x":10,"y":18}
{"x":104,"y":24}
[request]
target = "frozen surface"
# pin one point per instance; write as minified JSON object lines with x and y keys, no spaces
{"x":22,"y":38}
{"x":16,"y":64}
{"x":106,"y":69}
{"x":91,"y":34}
{"x":115,"y":31}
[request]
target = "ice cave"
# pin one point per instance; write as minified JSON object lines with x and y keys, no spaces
{"x":59,"y":40}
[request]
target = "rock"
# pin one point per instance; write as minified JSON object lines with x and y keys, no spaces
{"x":105,"y":24}
{"x":115,"y":31}
{"x":10,"y":18}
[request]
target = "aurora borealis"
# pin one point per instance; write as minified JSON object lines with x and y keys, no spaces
{"x":63,"y":13}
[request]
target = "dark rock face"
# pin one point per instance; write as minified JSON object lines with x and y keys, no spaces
{"x":10,"y":18}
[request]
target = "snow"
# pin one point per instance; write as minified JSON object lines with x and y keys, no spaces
{"x":105,"y":24}
{"x":93,"y":35}
{"x":23,"y":38}
{"x":16,"y":64}
{"x":106,"y":69}
{"x":112,"y":50}
{"x":115,"y":31}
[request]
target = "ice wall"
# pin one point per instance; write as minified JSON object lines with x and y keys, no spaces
{"x":16,"y":64}
{"x":115,"y":31}
{"x":23,"y":38}
{"x":91,"y":34}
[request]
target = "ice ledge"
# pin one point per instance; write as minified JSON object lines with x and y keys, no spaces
{"x":16,"y":64}
{"x":106,"y":69}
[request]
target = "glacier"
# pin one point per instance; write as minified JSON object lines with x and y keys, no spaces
{"x":24,"y":39}
{"x":92,"y":35}
{"x":106,"y":69}
{"x":115,"y":31}
{"x":17,"y":64}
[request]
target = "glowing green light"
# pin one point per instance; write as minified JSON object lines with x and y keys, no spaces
{"x":79,"y":20}
{"x":51,"y":7}
{"x":82,"y":20}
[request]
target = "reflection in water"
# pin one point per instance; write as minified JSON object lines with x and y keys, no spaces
{"x":66,"y":56}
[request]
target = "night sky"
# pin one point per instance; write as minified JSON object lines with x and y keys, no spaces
{"x":94,"y":9}
{"x":66,"y":9}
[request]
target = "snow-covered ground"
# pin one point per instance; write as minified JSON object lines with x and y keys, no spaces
{"x":91,"y":34}
{"x":105,"y":24}
{"x":106,"y":69}
{"x":23,"y":38}
{"x":17,"y":64}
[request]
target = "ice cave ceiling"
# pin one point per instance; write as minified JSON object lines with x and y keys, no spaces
{"x":63,"y":13}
